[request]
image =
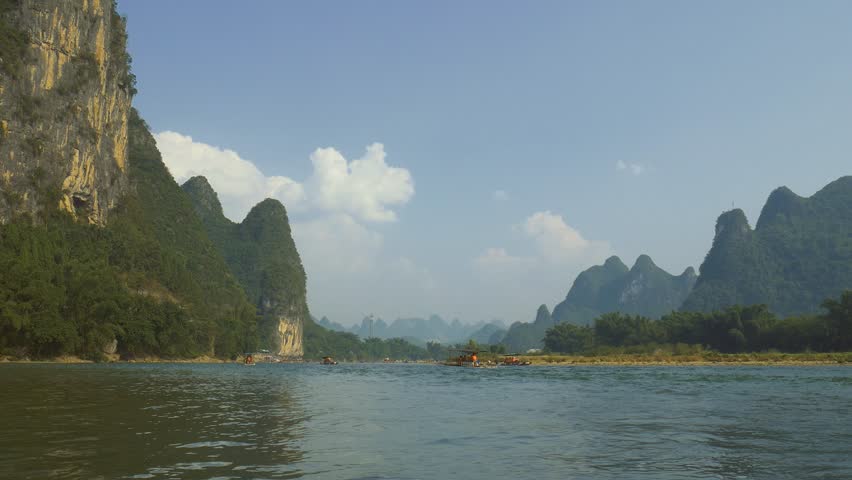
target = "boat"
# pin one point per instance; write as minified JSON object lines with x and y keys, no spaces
{"x":249,"y":360}
{"x":463,"y":357}
{"x":328,"y":361}
{"x":512,"y":360}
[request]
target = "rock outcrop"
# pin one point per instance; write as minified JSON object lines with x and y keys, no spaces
{"x":65,"y":93}
{"x":261,"y":253}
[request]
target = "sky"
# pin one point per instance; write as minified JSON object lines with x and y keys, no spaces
{"x":469,"y":159}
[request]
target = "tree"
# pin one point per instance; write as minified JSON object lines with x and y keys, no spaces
{"x":568,"y":338}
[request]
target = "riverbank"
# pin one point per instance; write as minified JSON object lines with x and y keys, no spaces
{"x":114,"y":359}
{"x":700,"y":359}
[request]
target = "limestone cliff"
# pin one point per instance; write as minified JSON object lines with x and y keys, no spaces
{"x":65,"y":92}
{"x":261,"y":253}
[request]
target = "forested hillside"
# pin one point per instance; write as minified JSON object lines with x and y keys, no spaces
{"x":261,"y":253}
{"x":799,"y":254}
{"x":148,"y":283}
{"x":645,"y":289}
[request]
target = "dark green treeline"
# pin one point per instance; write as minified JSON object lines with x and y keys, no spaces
{"x":734,"y":329}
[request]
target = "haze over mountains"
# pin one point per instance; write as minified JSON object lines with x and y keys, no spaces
{"x":420,"y":330}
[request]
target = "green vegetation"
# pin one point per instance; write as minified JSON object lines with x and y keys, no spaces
{"x":678,"y":355}
{"x":799,"y":254}
{"x":120,"y":56}
{"x":13,"y":41}
{"x":151,"y":280}
{"x":320,"y":342}
{"x":261,"y":253}
{"x":732,"y":330}
{"x":645,"y":289}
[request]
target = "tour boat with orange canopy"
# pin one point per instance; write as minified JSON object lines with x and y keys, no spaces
{"x":328,"y":361}
{"x":512,"y":360}
{"x":463,"y":357}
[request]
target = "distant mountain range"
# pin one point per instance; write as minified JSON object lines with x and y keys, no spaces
{"x":422,"y":330}
{"x":798,"y":255}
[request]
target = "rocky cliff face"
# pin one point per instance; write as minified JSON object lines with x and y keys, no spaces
{"x":65,"y":92}
{"x":261,"y":253}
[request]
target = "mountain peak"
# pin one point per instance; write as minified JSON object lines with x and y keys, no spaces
{"x":616,"y":262}
{"x":542,"y":316}
{"x":644,"y":263}
{"x":780,"y":206}
{"x":268,"y":206}
{"x":732,"y":223}
{"x":205,"y":199}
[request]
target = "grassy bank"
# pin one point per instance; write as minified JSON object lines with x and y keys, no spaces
{"x":115,"y":359}
{"x":702,"y":358}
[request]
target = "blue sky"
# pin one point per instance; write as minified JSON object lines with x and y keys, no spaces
{"x":609,"y":127}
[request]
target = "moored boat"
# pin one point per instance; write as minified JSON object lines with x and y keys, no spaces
{"x":512,"y":360}
{"x":462,"y":357}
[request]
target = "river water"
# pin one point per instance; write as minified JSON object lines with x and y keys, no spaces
{"x":376,"y":421}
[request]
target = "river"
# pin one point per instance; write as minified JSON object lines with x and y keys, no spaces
{"x":407,"y":421}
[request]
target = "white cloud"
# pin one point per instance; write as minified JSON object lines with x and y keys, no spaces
{"x":556,"y":241}
{"x":499,"y":258}
{"x":366,"y":188}
{"x":335,"y":244}
{"x":634,"y":168}
{"x":238,"y":182}
{"x":500,"y":196}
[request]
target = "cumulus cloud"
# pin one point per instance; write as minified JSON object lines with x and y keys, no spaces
{"x":366,"y":188}
{"x":500,"y":196}
{"x":557,"y":241}
{"x":634,"y":168}
{"x":238,"y":182}
{"x":554,"y":241}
